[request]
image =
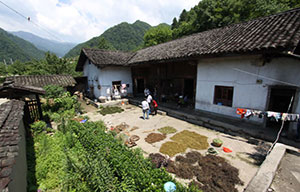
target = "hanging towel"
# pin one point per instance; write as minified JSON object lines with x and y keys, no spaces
{"x":294,"y":117}
{"x":274,"y":115}
{"x":241,"y":112}
{"x":284,"y":116}
{"x":248,"y":113}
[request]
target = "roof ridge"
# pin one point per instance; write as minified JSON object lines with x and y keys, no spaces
{"x":226,"y":26}
{"x":38,"y":75}
{"x":106,"y":50}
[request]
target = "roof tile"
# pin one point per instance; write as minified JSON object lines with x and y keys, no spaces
{"x":11,"y":113}
{"x":280,"y":31}
{"x":39,"y":81}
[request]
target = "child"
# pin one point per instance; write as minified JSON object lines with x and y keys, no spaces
{"x":154,"y":104}
{"x":145,"y":107}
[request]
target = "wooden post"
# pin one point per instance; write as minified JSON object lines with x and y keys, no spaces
{"x":39,"y":106}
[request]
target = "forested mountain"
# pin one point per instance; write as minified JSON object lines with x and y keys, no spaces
{"x":58,"y":48}
{"x":209,"y":14}
{"x":124,"y":37}
{"x":15,"y":48}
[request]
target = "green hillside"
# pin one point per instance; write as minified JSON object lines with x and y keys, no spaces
{"x":59,"y":48}
{"x":15,"y":48}
{"x":124,"y":37}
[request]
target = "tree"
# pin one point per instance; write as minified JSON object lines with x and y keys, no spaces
{"x":209,"y":14}
{"x":156,"y":35}
{"x":174,"y":23}
{"x":16,"y":68}
{"x":50,"y":65}
{"x":104,"y":44}
{"x":2,"y":69}
{"x":183,"y":16}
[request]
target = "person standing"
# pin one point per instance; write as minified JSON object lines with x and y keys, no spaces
{"x":146,"y":92}
{"x":154,"y":104}
{"x":149,"y":100}
{"x":146,"y":109}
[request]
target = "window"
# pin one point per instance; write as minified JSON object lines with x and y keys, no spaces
{"x":89,"y":62}
{"x":223,"y":95}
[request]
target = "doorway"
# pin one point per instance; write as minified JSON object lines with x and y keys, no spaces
{"x":140,"y":85}
{"x":280,"y":99}
{"x":189,"y":88}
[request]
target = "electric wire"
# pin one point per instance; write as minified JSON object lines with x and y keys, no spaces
{"x":281,"y":128}
{"x":268,"y":78}
{"x":29,"y":20}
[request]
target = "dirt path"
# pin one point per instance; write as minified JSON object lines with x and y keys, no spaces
{"x":244,"y":156}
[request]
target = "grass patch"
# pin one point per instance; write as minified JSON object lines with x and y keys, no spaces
{"x":183,"y":140}
{"x":110,"y":110}
{"x":167,"y":130}
{"x":172,"y":148}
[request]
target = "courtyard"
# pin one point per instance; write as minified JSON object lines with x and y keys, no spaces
{"x":246,"y":155}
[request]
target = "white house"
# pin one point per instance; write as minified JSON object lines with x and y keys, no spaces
{"x":225,"y":84}
{"x":105,"y":71}
{"x":253,"y":65}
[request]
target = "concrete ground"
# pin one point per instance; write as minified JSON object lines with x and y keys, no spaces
{"x":287,"y":177}
{"x":246,"y":152}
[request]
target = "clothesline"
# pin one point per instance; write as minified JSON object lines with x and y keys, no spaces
{"x":269,"y":114}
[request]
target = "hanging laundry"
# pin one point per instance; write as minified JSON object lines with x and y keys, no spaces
{"x":284,"y":116}
{"x":292,"y":117}
{"x":275,"y":115}
{"x":257,"y":113}
{"x":241,"y":112}
{"x":248,"y":113}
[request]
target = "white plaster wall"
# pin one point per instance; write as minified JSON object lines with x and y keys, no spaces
{"x":92,"y":73}
{"x":106,"y":76}
{"x":110,"y":74}
{"x":247,"y":93}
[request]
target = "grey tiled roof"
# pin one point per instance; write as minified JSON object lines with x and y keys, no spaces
{"x":272,"y":34}
{"x":9,"y":85}
{"x":42,"y":80}
{"x":280,"y":32}
{"x":11,"y":114}
{"x":103,"y":57}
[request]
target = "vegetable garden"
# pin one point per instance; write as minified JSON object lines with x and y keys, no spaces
{"x":85,"y":157}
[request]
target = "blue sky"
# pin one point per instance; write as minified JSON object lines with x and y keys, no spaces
{"x":80,"y":20}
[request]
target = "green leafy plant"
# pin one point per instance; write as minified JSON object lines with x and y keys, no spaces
{"x":53,"y":91}
{"x":38,"y":127}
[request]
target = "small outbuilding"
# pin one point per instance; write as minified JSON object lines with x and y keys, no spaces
{"x":107,"y":72}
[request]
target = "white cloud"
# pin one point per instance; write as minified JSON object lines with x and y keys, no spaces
{"x":80,"y":20}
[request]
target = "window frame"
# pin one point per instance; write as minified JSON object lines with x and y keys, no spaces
{"x":223,"y":95}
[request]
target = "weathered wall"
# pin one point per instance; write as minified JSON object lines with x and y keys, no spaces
{"x":105,"y":76}
{"x":110,"y":74}
{"x":19,"y":169}
{"x":247,"y":92}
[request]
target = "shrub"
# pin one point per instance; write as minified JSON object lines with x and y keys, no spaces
{"x":53,"y":91}
{"x":38,"y":127}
